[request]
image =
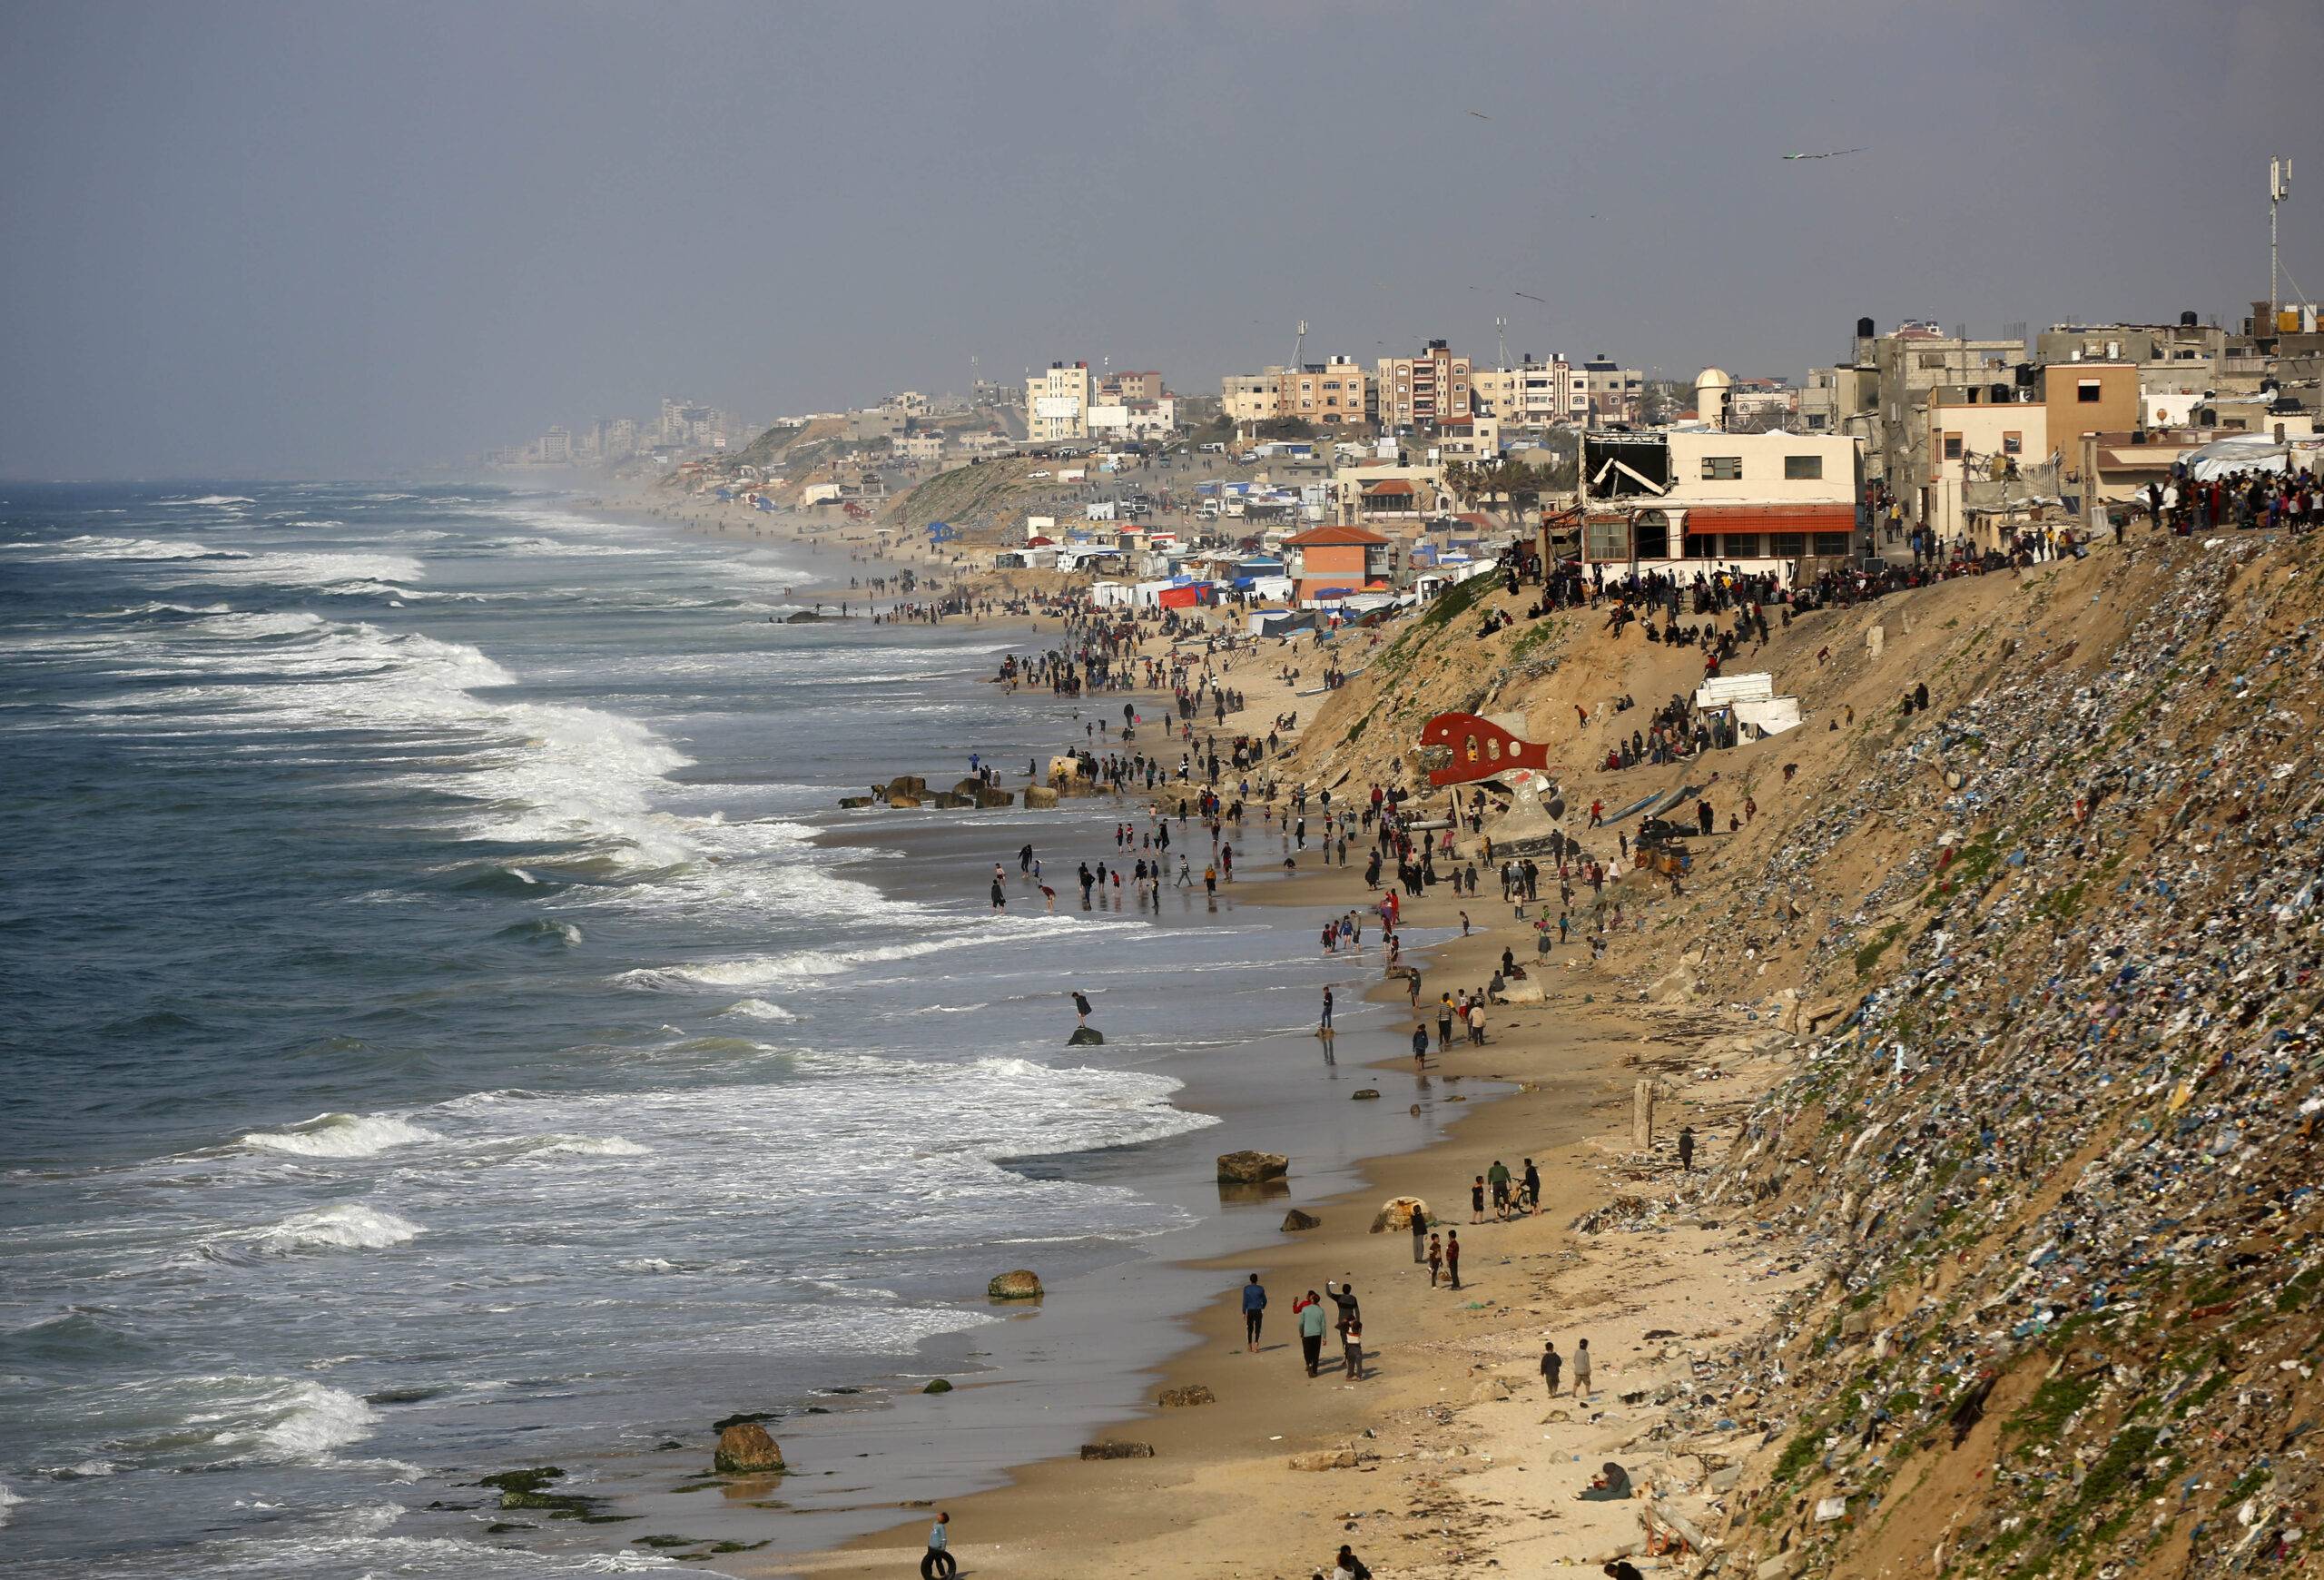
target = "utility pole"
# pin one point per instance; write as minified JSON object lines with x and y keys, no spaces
{"x":2279,"y":189}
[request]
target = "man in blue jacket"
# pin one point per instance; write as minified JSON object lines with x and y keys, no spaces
{"x":1255,"y":1306}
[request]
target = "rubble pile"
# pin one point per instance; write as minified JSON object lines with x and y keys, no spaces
{"x":2057,"y":1166}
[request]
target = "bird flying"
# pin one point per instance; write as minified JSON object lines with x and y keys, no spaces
{"x":1829,"y":153}
{"x":1530,"y":297}
{"x":1481,"y":115}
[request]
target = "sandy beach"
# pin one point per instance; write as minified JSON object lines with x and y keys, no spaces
{"x":1448,"y":1451}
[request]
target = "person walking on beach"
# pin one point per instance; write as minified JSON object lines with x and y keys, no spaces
{"x":1419,"y":1044}
{"x":1443,"y":1022}
{"x":937,"y":1563}
{"x":1477,"y":1201}
{"x":1551,"y":1362}
{"x":1498,"y":1178}
{"x":1254,"y":1309}
{"x":999,"y":895}
{"x":1082,"y":1006}
{"x":1435,"y":1260}
{"x":1312,"y":1323}
{"x":1325,"y":1026}
{"x":1532,"y":1187}
{"x":1419,"y":1233}
{"x":1452,"y":1255}
{"x":1343,"y":1296}
{"x":1581,"y":1369}
{"x":1351,"y":1348}
{"x":1686,"y":1149}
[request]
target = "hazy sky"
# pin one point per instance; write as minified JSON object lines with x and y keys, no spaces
{"x":245,"y":240}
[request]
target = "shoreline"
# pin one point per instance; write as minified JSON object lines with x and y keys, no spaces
{"x":1553,"y":1090}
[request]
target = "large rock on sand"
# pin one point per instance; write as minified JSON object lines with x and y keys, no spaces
{"x":1251,"y":1168}
{"x":1325,"y":1460}
{"x":1114,"y":1451}
{"x":1296,"y":1220}
{"x":745,"y":1449}
{"x":1186,"y":1397}
{"x":1397,"y":1213}
{"x":911,"y":785}
{"x":1024,"y":1284}
{"x":1039,"y":796}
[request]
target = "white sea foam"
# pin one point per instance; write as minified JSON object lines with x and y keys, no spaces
{"x":295,"y":567}
{"x":348,"y":1226}
{"x":591,"y":1147}
{"x":311,"y":1420}
{"x":9,"y":1499}
{"x":342,"y":1135}
{"x":86,"y":1470}
{"x":758,"y":1010}
{"x":214,"y":499}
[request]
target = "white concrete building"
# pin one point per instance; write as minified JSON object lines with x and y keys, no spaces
{"x":1057,"y":403}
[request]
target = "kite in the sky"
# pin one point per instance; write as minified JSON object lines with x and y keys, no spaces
{"x":1832,"y":153}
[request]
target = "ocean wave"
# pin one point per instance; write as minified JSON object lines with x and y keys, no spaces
{"x":340,"y":1135}
{"x":86,"y":1470}
{"x":312,"y":1420}
{"x":154,"y":610}
{"x":290,"y":567}
{"x":214,"y":499}
{"x":588,"y":1147}
{"x":541,"y":930}
{"x":758,"y":1010}
{"x":348,"y":1226}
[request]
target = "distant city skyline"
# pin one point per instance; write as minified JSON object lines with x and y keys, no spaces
{"x":262,"y":239}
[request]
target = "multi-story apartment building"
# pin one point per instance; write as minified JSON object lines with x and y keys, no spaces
{"x":1423,"y":391}
{"x":1615,"y":393}
{"x":1247,"y":400}
{"x":1057,"y":403}
{"x":1330,"y":393}
{"x":1127,"y":389}
{"x":1532,"y":395}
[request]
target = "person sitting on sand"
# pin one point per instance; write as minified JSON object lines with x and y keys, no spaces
{"x":1610,"y":1485}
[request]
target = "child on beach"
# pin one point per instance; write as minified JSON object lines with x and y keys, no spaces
{"x":1435,"y":1258}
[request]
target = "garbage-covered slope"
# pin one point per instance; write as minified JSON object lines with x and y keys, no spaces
{"x":2059,"y":1163}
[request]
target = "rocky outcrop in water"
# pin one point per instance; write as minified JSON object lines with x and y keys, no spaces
{"x":1247,"y":1168}
{"x":1023,"y":1284}
{"x":745,"y":1448}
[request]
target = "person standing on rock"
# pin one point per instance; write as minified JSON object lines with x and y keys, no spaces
{"x":937,"y":1563}
{"x":1082,"y":1006}
{"x":1255,"y":1311}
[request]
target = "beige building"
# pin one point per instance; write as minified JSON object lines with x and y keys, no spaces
{"x":1614,"y":393}
{"x":1328,"y":394}
{"x":1423,"y":391}
{"x":1057,"y":403}
{"x":1532,"y":396}
{"x":2087,"y":398}
{"x":1988,"y":461}
{"x":1249,"y":399}
{"x":1685,"y":499}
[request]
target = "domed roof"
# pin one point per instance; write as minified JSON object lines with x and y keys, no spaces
{"x":1713,"y":378}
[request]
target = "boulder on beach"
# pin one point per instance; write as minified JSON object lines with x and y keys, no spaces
{"x":1024,"y":1284}
{"x":988,"y":798}
{"x":1365,"y":1094}
{"x":1249,"y":1168}
{"x":1113,"y":1450}
{"x":1296,"y":1220}
{"x":911,"y":785}
{"x":851,"y":801}
{"x":1186,"y":1397}
{"x":902,"y":800}
{"x":970,"y":787}
{"x":1085,"y":1037}
{"x":1325,"y":1460}
{"x":953,"y":800}
{"x":1039,"y":796}
{"x":937,"y":1385}
{"x":745,"y":1448}
{"x":1397,"y":1212}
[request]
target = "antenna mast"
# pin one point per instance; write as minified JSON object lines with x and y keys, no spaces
{"x":1500,"y":330}
{"x":1299,"y":346}
{"x":2279,"y":189}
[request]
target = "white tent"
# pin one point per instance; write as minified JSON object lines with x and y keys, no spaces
{"x":2256,"y":452}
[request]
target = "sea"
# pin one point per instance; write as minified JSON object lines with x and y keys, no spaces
{"x":449,"y":1026}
